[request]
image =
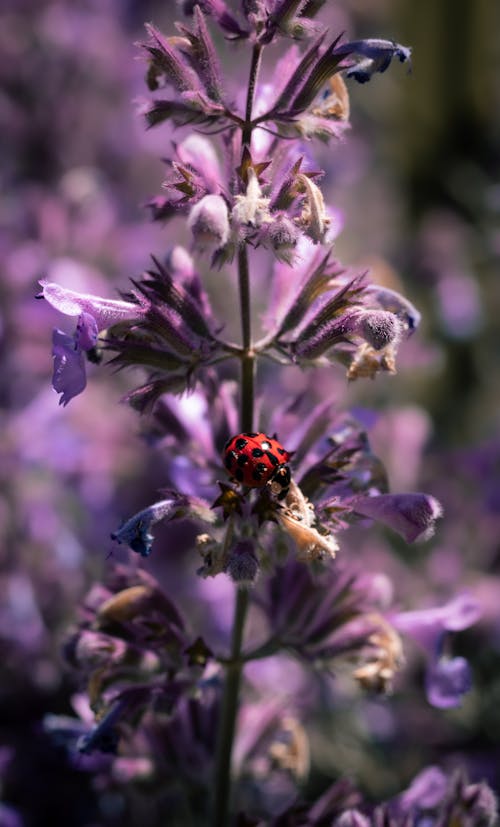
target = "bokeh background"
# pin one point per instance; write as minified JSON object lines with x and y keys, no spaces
{"x":417,"y":182}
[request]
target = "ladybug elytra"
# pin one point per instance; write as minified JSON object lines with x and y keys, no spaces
{"x":255,"y":459}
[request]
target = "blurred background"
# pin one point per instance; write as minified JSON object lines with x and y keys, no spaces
{"x":417,"y":182}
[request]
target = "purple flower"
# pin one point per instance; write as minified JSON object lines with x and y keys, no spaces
{"x":94,"y":314}
{"x":351,"y":818}
{"x":106,"y":312}
{"x":411,"y":515}
{"x":426,"y":791}
{"x":376,"y":56}
{"x":136,"y":531}
{"x":446,"y":681}
{"x":428,"y":625}
{"x":69,"y":377}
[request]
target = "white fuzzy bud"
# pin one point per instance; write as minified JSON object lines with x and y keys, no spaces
{"x":209,"y":223}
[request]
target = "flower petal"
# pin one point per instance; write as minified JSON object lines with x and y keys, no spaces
{"x":106,"y":312}
{"x":69,"y":376}
{"x":411,"y":515}
{"x":426,"y":791}
{"x":427,"y":626}
{"x":447,"y":681}
{"x":86,"y":332}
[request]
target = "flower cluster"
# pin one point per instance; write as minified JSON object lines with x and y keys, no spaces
{"x":269,"y":521}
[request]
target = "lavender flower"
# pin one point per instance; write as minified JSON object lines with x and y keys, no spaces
{"x":94,"y":314}
{"x":166,"y":704}
{"x":136,"y":533}
{"x":411,"y":515}
{"x":447,"y":679}
{"x":69,"y":376}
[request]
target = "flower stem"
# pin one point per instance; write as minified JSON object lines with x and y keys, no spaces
{"x":252,"y":81}
{"x":229,"y":709}
{"x":234,"y":667}
{"x":248,"y":355}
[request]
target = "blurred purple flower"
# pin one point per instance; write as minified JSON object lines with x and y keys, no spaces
{"x":446,"y":681}
{"x":426,"y":791}
{"x":427,"y":626}
{"x":411,"y":515}
{"x":9,"y":817}
{"x":351,"y":818}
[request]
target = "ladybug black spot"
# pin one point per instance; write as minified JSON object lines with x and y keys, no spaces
{"x":229,"y":460}
{"x":256,"y":452}
{"x":239,"y":475}
{"x":240,"y":443}
{"x":281,"y":451}
{"x":242,"y":460}
{"x":275,"y":461}
{"x":251,"y":434}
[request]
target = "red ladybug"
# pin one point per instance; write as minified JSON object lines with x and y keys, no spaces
{"x":256,"y":459}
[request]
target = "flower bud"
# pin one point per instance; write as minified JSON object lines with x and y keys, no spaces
{"x":379,"y":328}
{"x":251,"y":209}
{"x":179,"y":263}
{"x":351,"y":818}
{"x":283,"y":236}
{"x":313,"y":219}
{"x":209,"y":223}
{"x":242,"y":565}
{"x":427,"y":790}
{"x":199,"y":152}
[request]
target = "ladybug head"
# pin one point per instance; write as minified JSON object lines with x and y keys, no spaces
{"x":281,"y":481}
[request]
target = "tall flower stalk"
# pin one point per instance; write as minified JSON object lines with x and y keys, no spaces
{"x":277,"y":511}
{"x":230,"y":697}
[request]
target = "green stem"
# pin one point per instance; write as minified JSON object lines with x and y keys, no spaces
{"x":248,"y":355}
{"x":229,"y":711}
{"x":252,"y":82}
{"x":234,"y":668}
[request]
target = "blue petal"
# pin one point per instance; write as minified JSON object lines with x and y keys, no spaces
{"x":447,"y":681}
{"x":69,"y":376}
{"x":376,"y":56}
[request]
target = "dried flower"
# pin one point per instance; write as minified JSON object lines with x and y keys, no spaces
{"x":296,"y":517}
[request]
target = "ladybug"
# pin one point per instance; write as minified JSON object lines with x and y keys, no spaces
{"x":256,"y":459}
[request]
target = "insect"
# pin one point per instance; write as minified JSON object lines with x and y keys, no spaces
{"x":256,"y":459}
